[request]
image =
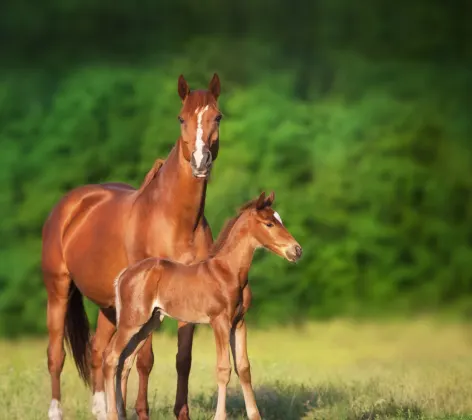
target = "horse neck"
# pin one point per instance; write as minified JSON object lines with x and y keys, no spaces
{"x":176,"y":187}
{"x":238,"y":251}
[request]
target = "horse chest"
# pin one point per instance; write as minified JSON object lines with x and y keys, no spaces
{"x":165,"y":244}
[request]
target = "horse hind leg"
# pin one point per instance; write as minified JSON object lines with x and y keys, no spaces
{"x":57,"y":289}
{"x":103,"y":335}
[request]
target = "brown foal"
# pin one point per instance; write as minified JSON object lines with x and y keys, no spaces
{"x":213,"y":291}
{"x":97,"y":230}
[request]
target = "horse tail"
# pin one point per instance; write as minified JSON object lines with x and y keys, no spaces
{"x":77,"y":332}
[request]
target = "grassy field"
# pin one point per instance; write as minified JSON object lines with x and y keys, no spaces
{"x":335,"y":370}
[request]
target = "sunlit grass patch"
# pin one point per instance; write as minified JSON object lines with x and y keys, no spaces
{"x":333,"y":370}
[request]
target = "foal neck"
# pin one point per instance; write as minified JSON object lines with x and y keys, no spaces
{"x":237,"y":250}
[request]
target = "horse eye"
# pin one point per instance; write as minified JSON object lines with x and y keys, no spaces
{"x":218,"y":118}
{"x":181,"y":120}
{"x":269,"y":224}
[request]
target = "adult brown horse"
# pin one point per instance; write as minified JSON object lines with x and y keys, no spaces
{"x":95,"y":231}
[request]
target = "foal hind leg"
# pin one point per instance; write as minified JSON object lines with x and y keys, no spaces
{"x":103,"y":334}
{"x":57,"y":286}
{"x":111,"y":358}
{"x":144,"y":364}
{"x":127,"y":365}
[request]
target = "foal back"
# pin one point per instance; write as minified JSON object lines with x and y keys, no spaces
{"x":187,"y":293}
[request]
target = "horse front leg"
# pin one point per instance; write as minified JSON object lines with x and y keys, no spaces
{"x":183,"y":365}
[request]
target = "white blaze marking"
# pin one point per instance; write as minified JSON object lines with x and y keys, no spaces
{"x":55,"y":411}
{"x":99,"y":406}
{"x":277,"y":216}
{"x":199,"y":144}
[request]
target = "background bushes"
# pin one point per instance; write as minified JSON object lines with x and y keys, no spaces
{"x":357,"y":116}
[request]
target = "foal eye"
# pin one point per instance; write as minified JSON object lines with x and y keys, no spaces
{"x":218,"y":118}
{"x":269,"y":224}
{"x":181,"y":120}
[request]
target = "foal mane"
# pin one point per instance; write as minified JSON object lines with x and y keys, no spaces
{"x":228,"y":226}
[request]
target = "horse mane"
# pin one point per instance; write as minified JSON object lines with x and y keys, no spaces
{"x":228,"y":226}
{"x":152,"y":173}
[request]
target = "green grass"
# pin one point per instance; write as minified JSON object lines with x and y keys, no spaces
{"x":334,"y":370}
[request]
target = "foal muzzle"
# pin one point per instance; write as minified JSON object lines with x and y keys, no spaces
{"x":294,"y":253}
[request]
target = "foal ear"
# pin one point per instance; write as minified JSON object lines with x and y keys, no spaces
{"x":270,"y":199}
{"x":215,"y":86}
{"x":260,"y":204}
{"x":182,"y":88}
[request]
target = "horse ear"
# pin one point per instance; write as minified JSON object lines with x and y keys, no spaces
{"x":215,"y":86}
{"x":270,"y":199}
{"x":183,"y":88}
{"x":260,"y":204}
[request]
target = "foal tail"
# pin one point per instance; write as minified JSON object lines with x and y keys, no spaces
{"x":77,"y":332}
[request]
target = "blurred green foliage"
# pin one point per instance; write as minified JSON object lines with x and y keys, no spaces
{"x":356,"y":115}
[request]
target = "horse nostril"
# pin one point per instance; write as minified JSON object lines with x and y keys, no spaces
{"x":207,"y":159}
{"x":298,"y":251}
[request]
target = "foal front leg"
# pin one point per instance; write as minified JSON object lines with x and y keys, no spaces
{"x":243,"y":368}
{"x":221,"y":328}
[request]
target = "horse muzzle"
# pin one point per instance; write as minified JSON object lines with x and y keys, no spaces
{"x":201,"y":163}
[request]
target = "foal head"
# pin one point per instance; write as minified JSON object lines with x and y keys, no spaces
{"x":267,"y":229}
{"x":200,"y":122}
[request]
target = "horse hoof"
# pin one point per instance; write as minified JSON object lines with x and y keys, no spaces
{"x":183,"y":413}
{"x":55,"y":410}
{"x":142,"y":415}
{"x":99,"y":406}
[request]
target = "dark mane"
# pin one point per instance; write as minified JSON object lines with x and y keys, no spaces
{"x":228,"y":226}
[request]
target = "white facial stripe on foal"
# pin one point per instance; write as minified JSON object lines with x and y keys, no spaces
{"x":198,"y":155}
{"x":277,"y":216}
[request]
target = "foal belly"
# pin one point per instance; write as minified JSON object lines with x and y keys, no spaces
{"x":182,"y":314}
